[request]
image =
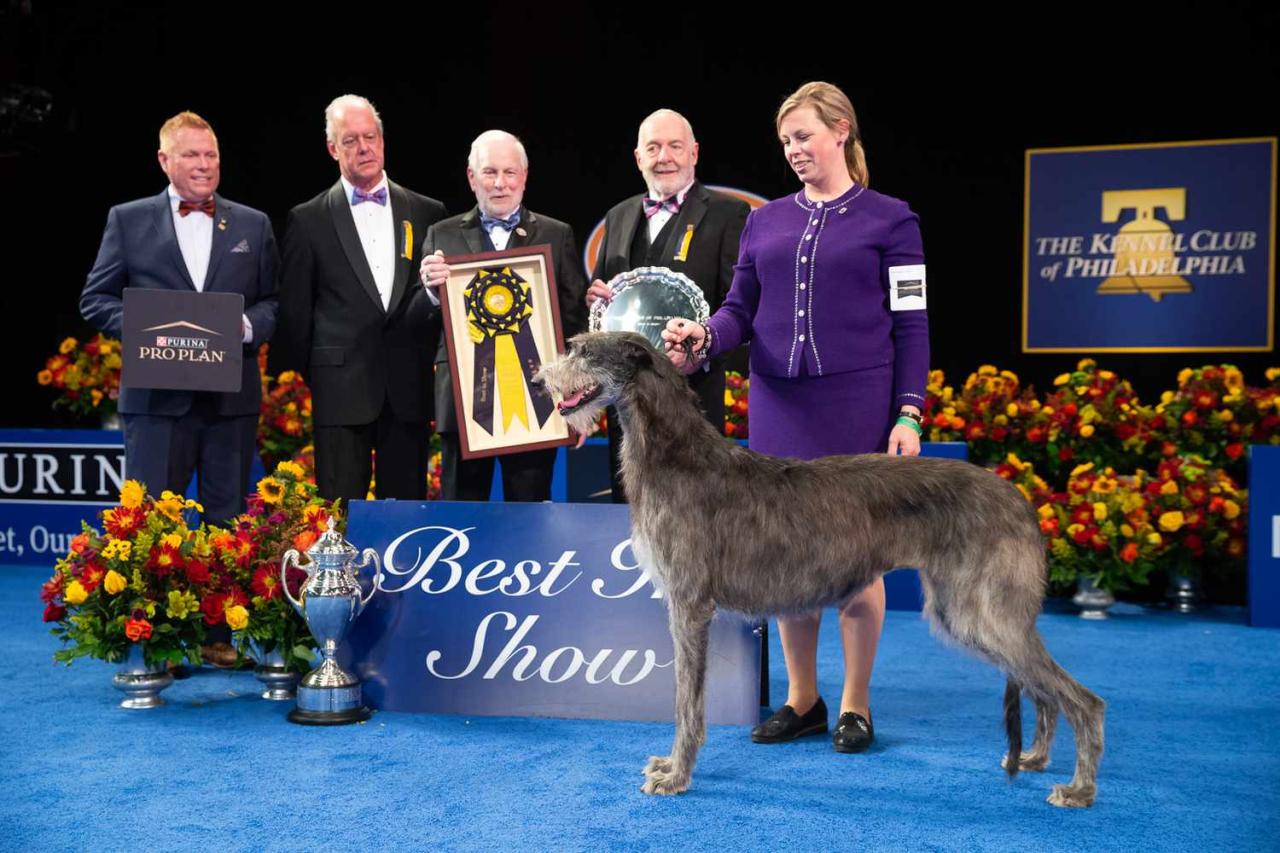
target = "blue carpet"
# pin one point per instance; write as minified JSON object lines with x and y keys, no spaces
{"x":1192,"y":760}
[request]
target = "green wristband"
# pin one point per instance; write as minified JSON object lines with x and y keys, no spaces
{"x":906,"y":421}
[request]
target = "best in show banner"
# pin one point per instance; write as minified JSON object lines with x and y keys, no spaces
{"x":527,"y":610}
{"x":1150,"y":248}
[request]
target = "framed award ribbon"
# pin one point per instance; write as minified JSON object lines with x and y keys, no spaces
{"x":501,"y":322}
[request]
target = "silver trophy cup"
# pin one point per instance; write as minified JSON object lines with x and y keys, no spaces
{"x":644,"y":299}
{"x":329,"y":601}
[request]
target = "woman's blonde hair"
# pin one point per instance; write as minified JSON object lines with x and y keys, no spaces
{"x":831,"y":105}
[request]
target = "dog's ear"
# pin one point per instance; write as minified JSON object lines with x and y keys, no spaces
{"x":637,"y":351}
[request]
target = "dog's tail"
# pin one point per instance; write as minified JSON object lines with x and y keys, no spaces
{"x":1013,"y":725}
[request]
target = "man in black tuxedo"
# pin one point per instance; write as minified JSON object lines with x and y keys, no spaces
{"x":354,"y":320}
{"x":497,"y":170}
{"x":678,"y":224}
{"x":189,"y":238}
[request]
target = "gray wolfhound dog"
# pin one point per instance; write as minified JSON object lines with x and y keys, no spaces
{"x":720,"y":526}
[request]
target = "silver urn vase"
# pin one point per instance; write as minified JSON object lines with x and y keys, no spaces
{"x":329,"y":601}
{"x":139,"y":681}
{"x":1092,"y":600}
{"x":279,"y":681}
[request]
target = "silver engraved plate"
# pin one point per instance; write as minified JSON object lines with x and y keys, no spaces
{"x":644,"y":299}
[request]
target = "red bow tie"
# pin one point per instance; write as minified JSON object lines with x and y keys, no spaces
{"x":206,"y":206}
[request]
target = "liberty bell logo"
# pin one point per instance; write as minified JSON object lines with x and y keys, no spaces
{"x":1144,"y":247}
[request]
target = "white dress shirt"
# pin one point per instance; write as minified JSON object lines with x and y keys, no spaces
{"x":660,"y":219}
{"x":195,"y":241}
{"x":376,"y":227}
{"x":195,"y":238}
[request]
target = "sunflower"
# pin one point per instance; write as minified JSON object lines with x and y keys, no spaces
{"x":271,"y":490}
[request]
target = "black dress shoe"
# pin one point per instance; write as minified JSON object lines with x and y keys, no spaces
{"x":854,"y":733}
{"x":787,"y":725}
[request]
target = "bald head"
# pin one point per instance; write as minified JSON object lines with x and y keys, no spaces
{"x":666,"y":153}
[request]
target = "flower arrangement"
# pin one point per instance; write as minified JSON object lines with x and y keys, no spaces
{"x":285,"y":512}
{"x":1100,"y":528}
{"x":1201,"y":512}
{"x":144,"y":579}
{"x":284,"y":422}
{"x":940,"y":418}
{"x":1092,"y":416}
{"x":1209,"y":415}
{"x":994,"y":408}
{"x":736,"y":390}
{"x":87,"y":378}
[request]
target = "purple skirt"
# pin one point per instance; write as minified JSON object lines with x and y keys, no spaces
{"x":815,"y":416}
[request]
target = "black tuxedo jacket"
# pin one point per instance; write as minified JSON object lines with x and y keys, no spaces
{"x":717,"y":221}
{"x":462,"y":235}
{"x":356,"y":355}
{"x":140,"y":249}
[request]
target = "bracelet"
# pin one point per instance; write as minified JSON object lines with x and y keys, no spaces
{"x":904,"y":420}
{"x":918,"y":418}
{"x":705,"y":350}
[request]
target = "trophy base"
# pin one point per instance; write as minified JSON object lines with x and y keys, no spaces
{"x":329,"y":718}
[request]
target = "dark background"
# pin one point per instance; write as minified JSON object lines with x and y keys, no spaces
{"x":947,"y":102}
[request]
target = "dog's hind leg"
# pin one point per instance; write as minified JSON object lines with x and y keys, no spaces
{"x":690,"y":632}
{"x":1037,"y":757}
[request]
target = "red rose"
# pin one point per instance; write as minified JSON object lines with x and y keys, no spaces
{"x":197,"y":571}
{"x":1035,"y":435}
{"x":728,"y":428}
{"x":214,"y":608}
{"x":137,"y":629}
{"x":1234,"y":450}
{"x":1049,"y":526}
{"x":1129,"y":552}
{"x":1069,"y":410}
{"x":54,"y":612}
{"x":1189,"y":418}
{"x":1125,"y":431}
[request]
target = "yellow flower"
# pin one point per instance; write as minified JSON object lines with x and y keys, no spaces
{"x":286,"y":377}
{"x":1126,"y":531}
{"x":118,"y":549}
{"x":1062,"y":379}
{"x":987,"y":370}
{"x":170,"y":505}
{"x":74,"y":593}
{"x":1234,"y":379}
{"x":132,"y":494}
{"x":1169,"y":488}
{"x":1023,"y":489}
{"x":1011,"y":410}
{"x":1074,"y":528}
{"x":1099,"y":511}
{"x":1226,"y":415}
{"x":1045,"y":511}
{"x":293,"y":469}
{"x":1081,"y":469}
{"x":1185,"y":374}
{"x":44,"y":377}
{"x":1086,"y":430}
{"x":181,"y":604}
{"x":1171,"y":521}
{"x":1153,"y":538}
{"x":1106,"y":374}
{"x":1104,"y":485}
{"x":114,"y":583}
{"x":67,"y":345}
{"x":237,"y":617}
{"x":171,"y":540}
{"x":1272,"y":374}
{"x":271,"y":490}
{"x":728,"y":401}
{"x":1086,"y":363}
{"x":1230,"y":509}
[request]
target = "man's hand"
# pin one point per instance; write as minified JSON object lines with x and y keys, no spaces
{"x":434,"y":271}
{"x":599,"y":290}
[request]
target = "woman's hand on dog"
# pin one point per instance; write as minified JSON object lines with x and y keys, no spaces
{"x":678,"y":350}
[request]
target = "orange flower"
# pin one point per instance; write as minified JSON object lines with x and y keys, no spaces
{"x":1129,"y":552}
{"x":305,"y":540}
{"x":137,"y":629}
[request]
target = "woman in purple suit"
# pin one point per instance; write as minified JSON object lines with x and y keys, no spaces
{"x":829,"y":289}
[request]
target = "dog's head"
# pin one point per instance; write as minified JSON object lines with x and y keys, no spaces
{"x":595,"y":372}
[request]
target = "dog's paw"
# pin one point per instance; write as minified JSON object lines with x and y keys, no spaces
{"x":1067,"y":797}
{"x":1028,"y":761}
{"x":665,"y":783}
{"x":657,"y":764}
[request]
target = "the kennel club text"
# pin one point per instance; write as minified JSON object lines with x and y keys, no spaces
{"x":437,"y":566}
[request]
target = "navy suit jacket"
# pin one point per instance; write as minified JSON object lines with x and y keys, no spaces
{"x":140,"y":249}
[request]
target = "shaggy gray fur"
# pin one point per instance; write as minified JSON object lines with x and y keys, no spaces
{"x":720,"y":526}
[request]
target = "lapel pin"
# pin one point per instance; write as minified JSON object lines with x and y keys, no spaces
{"x":222,"y":225}
{"x":521,"y":231}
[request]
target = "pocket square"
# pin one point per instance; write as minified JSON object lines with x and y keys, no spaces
{"x":240,"y":248}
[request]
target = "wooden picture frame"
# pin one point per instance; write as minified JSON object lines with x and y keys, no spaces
{"x":502,"y":321}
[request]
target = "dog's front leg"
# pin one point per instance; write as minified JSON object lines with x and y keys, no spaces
{"x":690,"y":629}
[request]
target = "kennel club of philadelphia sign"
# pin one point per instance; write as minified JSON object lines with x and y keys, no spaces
{"x":527,"y":609}
{"x":1150,"y":248}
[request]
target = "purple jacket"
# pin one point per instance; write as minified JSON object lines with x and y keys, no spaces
{"x":812,"y":284}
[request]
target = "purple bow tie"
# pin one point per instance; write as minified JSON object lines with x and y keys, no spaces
{"x":651,"y":207}
{"x":358,"y":196}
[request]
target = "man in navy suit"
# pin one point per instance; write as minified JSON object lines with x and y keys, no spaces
{"x":189,"y":238}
